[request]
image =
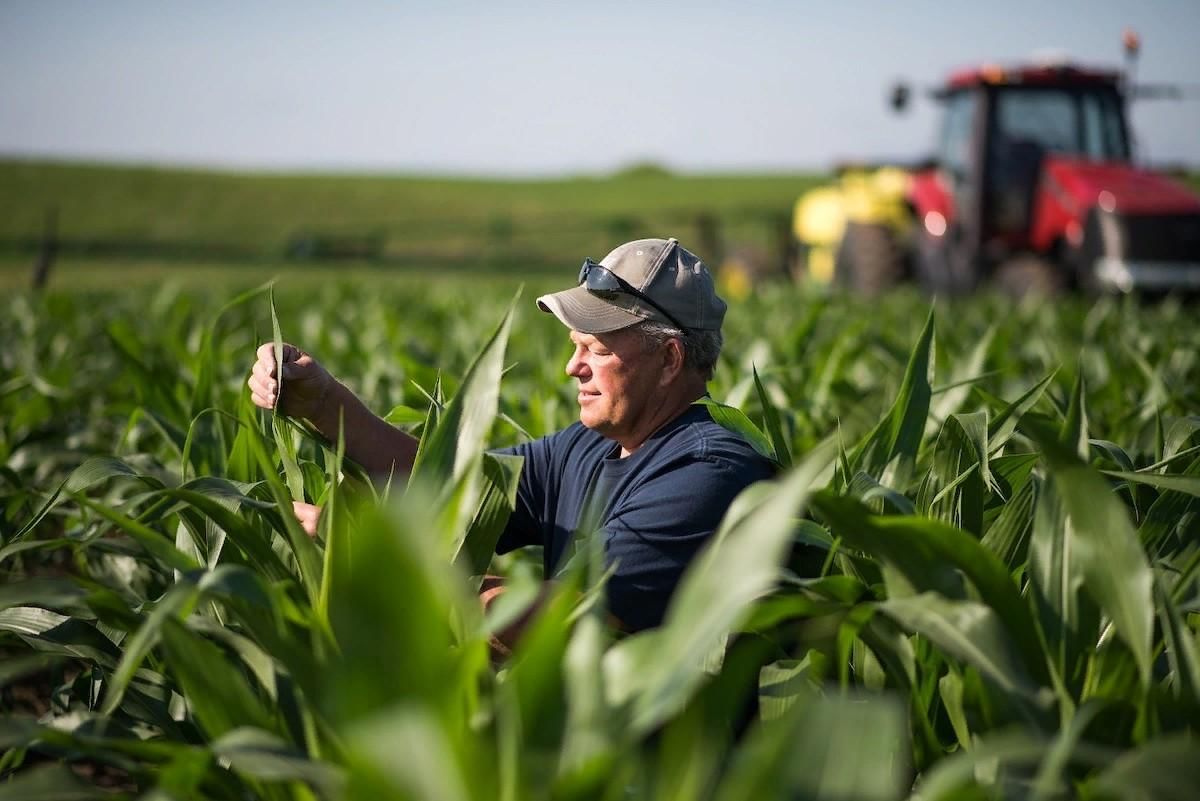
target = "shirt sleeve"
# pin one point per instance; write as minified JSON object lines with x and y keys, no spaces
{"x":656,"y":529}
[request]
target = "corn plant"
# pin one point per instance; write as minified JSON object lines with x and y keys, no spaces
{"x":961,"y":585}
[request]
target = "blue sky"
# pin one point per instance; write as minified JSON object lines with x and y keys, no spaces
{"x":537,"y":88}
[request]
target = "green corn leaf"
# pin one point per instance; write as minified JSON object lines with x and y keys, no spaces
{"x":336,"y":527}
{"x":869,"y":490}
{"x":1110,"y":560}
{"x":972,"y":633}
{"x":203,"y":396}
{"x":899,"y":433}
{"x":535,"y":686}
{"x":962,"y":774}
{"x":739,"y":565}
{"x":18,"y":732}
{"x":1179,"y":641}
{"x":264,"y":756}
{"x":52,"y":782}
{"x":219,"y":502}
{"x":59,"y":635}
{"x":1069,"y":619}
{"x":401,"y":652}
{"x":1008,"y":536}
{"x":950,"y":398}
{"x":932,"y":556}
{"x":216,"y":691}
{"x":950,"y":690}
{"x":154,"y":542}
{"x":87,"y":475}
{"x":431,"y":767}
{"x":589,"y":733}
{"x":450,"y":456}
{"x":733,"y":419}
{"x":1004,"y":424}
{"x":460,"y":431}
{"x":175,"y":604}
{"x":785,"y":682}
{"x":835,"y":747}
{"x":1164,"y":769}
{"x":51,"y":593}
{"x":1048,"y":783}
{"x":212,"y":448}
{"x":1167,"y":511}
{"x":285,"y":445}
{"x":405,"y":416}
{"x":1187,"y":484}
{"x":308,"y":560}
{"x":496,"y":503}
{"x":1180,"y":435}
{"x":1074,"y":431}
{"x":961,"y":475}
{"x":783,"y":454}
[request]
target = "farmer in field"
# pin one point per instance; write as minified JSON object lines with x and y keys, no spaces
{"x":644,"y":460}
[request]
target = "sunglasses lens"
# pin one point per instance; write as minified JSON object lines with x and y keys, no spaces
{"x":599,"y":279}
{"x":602,"y":281}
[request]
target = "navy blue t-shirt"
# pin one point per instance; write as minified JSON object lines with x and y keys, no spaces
{"x":658,"y":505}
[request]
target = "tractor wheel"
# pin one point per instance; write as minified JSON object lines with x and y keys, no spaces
{"x":1029,"y":275}
{"x":931,"y":264}
{"x":943,"y":265}
{"x":869,"y":260}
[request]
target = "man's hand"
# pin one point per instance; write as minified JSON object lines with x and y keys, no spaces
{"x":306,"y":383}
{"x":308,"y":515}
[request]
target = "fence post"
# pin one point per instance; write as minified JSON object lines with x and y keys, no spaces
{"x":47,"y":252}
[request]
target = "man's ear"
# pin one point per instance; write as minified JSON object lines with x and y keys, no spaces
{"x":672,"y":361}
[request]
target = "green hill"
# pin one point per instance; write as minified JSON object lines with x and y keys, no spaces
{"x":268,"y":215}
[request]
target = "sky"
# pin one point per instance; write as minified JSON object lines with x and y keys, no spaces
{"x":519,"y":88}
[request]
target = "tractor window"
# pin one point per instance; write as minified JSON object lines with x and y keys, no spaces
{"x":954,"y":146}
{"x":1043,"y":117}
{"x":1081,"y":123}
{"x":1103,"y":134}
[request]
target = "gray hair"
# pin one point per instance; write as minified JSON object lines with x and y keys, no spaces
{"x":700,"y":348}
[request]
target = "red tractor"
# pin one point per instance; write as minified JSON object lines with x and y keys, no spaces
{"x":1033,"y":187}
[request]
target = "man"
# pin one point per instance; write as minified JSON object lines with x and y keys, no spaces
{"x":644,"y":460}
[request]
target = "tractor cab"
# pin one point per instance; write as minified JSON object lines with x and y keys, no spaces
{"x":1032,"y":188}
{"x":1030,"y":165}
{"x":999,"y":129}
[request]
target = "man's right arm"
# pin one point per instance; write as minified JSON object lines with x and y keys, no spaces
{"x":311,"y":392}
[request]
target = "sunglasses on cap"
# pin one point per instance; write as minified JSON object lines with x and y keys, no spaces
{"x":599,"y":280}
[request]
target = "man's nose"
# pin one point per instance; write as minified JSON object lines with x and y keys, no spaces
{"x":575,"y":366}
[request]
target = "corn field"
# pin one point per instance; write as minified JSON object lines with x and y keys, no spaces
{"x":975,"y":578}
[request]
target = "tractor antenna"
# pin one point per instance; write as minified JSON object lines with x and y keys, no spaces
{"x":1132,"y":43}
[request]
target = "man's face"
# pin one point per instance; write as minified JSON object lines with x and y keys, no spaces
{"x":618,"y":378}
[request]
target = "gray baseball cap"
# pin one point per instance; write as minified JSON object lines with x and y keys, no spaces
{"x":656,"y":279}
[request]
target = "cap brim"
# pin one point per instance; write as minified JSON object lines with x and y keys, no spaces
{"x":582,"y":311}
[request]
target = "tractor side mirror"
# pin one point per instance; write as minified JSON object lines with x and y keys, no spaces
{"x":898,"y":98}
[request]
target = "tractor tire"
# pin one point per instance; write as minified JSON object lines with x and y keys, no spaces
{"x":943,"y":265}
{"x":869,"y":260}
{"x":1029,"y":276}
